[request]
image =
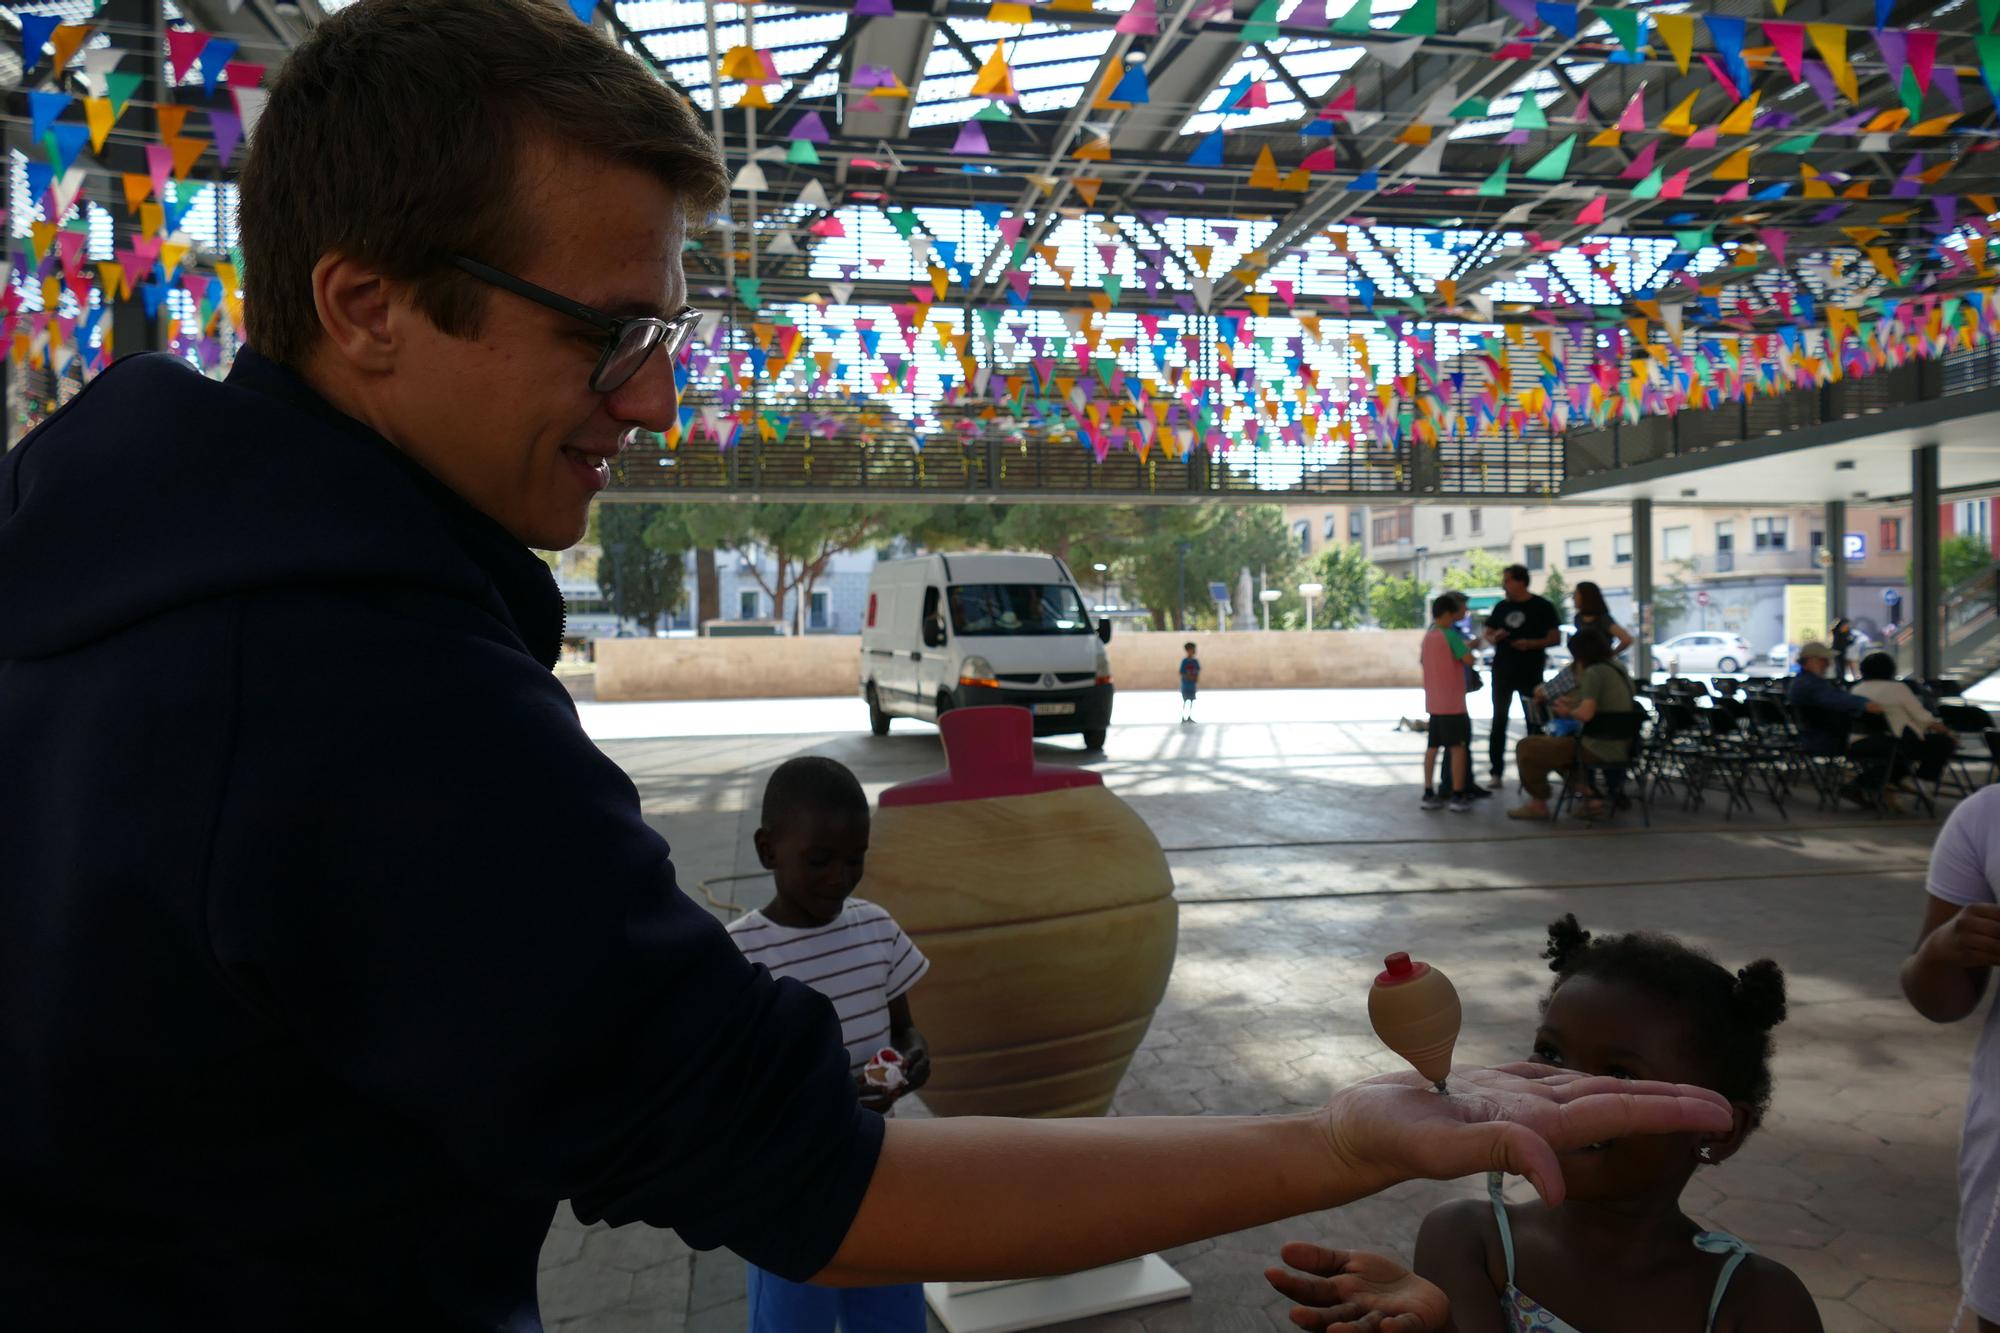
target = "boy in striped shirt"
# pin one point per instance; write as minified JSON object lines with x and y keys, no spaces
{"x":814,"y":841}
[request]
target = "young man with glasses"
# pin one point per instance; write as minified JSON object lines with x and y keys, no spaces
{"x":324,"y":977}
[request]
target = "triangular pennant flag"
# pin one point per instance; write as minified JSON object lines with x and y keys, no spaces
{"x":1649,"y":188}
{"x":1627,"y":25}
{"x":243,"y":74}
{"x":183,"y":48}
{"x":67,"y":141}
{"x":214,"y":59}
{"x":1830,"y":40}
{"x":1633,"y":119}
{"x":35,"y":31}
{"x":971,"y":138}
{"x":1790,"y":39}
{"x":1355,"y":20}
{"x":1421,"y":19}
{"x":1208,"y":152}
{"x":171,"y":118}
{"x":118,"y":89}
{"x":1678,"y":30}
{"x":1262,"y":25}
{"x":1555,"y":166}
{"x":1641,"y":164}
{"x":249,"y":106}
{"x":1264,"y":176}
{"x":1496,"y":184}
{"x":99,"y":115}
{"x":747,"y":289}
{"x":801,"y":153}
{"x":136,"y":190}
{"x":1735,"y":167}
{"x":43,"y":109}
{"x":1742,"y":118}
{"x":64,"y":42}
{"x":1132,"y":88}
{"x":995,"y":79}
{"x":1529,"y":114}
{"x":228,"y":131}
{"x":1592,"y":214}
{"x":1681,"y":119}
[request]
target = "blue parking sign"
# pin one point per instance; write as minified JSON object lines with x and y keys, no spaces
{"x":1854,"y":546}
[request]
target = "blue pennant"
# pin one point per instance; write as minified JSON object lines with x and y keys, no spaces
{"x":43,"y":108}
{"x":35,"y":30}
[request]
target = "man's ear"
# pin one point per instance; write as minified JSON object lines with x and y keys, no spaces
{"x":356,"y":312}
{"x":1722,"y":1147}
{"x":763,"y":844}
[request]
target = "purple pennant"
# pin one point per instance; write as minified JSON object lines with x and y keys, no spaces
{"x":1947,"y":207}
{"x":1906,"y":187}
{"x":227,"y":128}
{"x":1822,"y":83}
{"x":1852,"y":124}
{"x":1523,"y":12}
{"x":1945,"y":79}
{"x":1895,"y":45}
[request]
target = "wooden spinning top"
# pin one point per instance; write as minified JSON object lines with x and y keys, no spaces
{"x":1414,"y":1009}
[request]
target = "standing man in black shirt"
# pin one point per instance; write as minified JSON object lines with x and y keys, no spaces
{"x":1521,"y":629}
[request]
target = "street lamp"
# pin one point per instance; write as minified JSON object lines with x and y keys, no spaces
{"x":1310,"y":591}
{"x":1103,"y":585}
{"x":1268,"y":596}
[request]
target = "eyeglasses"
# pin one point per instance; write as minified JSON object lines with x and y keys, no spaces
{"x":628,"y":341}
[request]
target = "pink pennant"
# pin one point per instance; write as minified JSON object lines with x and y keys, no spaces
{"x":1923,"y":45}
{"x":183,"y":49}
{"x":1674,"y":186}
{"x":1592,"y":214}
{"x":1642,"y":165}
{"x":1735,"y":193}
{"x":1705,"y":137}
{"x":1774,"y":239}
{"x":1143,"y":19}
{"x":242,"y":74}
{"x":1634,"y":118}
{"x":159,"y":165}
{"x":1722,"y":76}
{"x":1790,"y":39}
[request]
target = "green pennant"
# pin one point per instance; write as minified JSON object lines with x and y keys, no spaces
{"x":747,"y":289}
{"x":1113,"y":288}
{"x":1472,"y":108}
{"x":1694,"y":242}
{"x":1262,"y":25}
{"x":1798,"y":143}
{"x":802,"y":154}
{"x":119,"y":87}
{"x":1355,"y":20}
{"x":1989,"y":59}
{"x":990,"y":318}
{"x":1649,"y":188}
{"x":993,"y":113}
{"x":1913,"y":96}
{"x":1627,"y":25}
{"x":903,"y":220}
{"x":1555,"y":165}
{"x":1988,"y":10}
{"x":1495,"y":185}
{"x":1421,"y":19}
{"x":1529,"y":114}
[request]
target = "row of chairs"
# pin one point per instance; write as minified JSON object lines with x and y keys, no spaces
{"x":1742,"y":746}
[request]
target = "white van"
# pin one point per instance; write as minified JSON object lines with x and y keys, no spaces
{"x":954,"y":631}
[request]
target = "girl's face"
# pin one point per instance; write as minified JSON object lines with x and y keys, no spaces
{"x":1595,"y":1026}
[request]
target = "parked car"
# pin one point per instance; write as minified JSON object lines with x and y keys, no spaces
{"x":955,"y":631}
{"x":1707,"y":651}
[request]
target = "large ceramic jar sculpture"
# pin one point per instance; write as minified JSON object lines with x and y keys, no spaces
{"x":1046,"y":908}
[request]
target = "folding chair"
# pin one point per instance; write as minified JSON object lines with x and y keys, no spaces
{"x":1725,"y":757}
{"x":1828,"y":772}
{"x":1969,"y":726}
{"x":1870,"y":732}
{"x":1608,"y":778}
{"x":1674,"y":757}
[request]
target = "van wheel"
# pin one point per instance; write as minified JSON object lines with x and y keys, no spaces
{"x":1726,"y":666}
{"x":943,"y":703}
{"x":878,"y":721}
{"x":1093,"y":740}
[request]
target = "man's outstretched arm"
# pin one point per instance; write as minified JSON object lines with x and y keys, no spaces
{"x":965,"y":1199}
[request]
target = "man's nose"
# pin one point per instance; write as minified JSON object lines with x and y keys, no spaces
{"x":649,"y":398}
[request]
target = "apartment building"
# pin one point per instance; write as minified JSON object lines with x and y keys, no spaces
{"x":1406,"y":539}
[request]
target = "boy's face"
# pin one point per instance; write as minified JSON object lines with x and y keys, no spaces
{"x":817,"y":857}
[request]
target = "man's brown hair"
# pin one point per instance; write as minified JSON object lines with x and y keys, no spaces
{"x":395,"y":133}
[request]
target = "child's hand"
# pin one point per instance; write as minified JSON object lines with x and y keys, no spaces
{"x":1351,"y":1291}
{"x":916,"y":1061}
{"x":874,"y":1098}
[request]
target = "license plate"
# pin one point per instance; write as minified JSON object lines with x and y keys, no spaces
{"x":1054,"y":710}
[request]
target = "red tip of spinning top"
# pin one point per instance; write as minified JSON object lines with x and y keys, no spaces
{"x":1400,"y":969}
{"x":991,"y":752}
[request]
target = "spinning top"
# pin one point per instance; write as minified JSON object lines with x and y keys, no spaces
{"x":1414,"y":1009}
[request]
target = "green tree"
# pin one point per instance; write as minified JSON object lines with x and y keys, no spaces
{"x":798,"y":540}
{"x":1399,"y":603}
{"x":1962,"y":556}
{"x":1481,"y":570}
{"x":1347,"y":578}
{"x":1671,"y":600}
{"x":1556,"y":588}
{"x":641,"y":578}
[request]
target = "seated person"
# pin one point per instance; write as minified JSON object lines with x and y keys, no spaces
{"x":1926,"y":742}
{"x":1826,"y":711}
{"x":1601,"y":687}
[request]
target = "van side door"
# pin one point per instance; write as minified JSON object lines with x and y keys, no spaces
{"x":933,"y":669}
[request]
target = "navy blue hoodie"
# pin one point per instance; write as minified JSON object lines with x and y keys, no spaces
{"x":332,"y":952}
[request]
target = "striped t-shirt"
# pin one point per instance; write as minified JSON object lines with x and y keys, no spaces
{"x":861,"y":960}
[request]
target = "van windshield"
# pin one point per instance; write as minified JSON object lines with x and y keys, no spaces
{"x":1017,"y":608}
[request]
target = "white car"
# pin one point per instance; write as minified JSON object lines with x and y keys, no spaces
{"x":1723,"y":653}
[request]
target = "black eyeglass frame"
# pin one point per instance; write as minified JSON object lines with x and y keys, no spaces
{"x":672,"y":333}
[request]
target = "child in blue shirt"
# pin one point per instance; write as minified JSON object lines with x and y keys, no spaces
{"x":1190,"y":680}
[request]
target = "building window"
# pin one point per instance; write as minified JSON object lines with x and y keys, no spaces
{"x":746,"y":604}
{"x":1302,"y":533}
{"x":1677,"y":544}
{"x":1725,"y":537}
{"x":1354,"y":526}
{"x":1891,"y":535}
{"x":1476,"y":521}
{"x":1770,"y":534}
{"x":1576,"y":553}
{"x":1818,"y":539}
{"x":820,"y":614}
{"x":1621,"y":548}
{"x":1447,"y":524}
{"x":1972,"y":519}
{"x":1331,"y":528}
{"x":1392,"y":528}
{"x":1532,"y":557}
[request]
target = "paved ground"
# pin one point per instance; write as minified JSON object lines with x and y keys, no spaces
{"x":1300,"y":857}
